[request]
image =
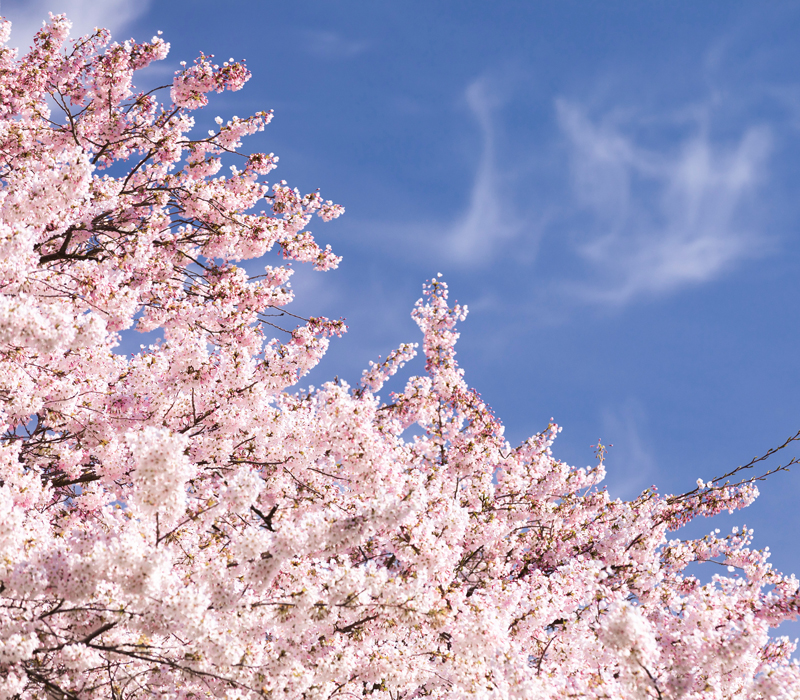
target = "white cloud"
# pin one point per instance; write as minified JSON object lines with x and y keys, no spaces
{"x":661,"y":220}
{"x":630,"y":464}
{"x":331,"y":45}
{"x":490,"y":217}
{"x":27,"y":16}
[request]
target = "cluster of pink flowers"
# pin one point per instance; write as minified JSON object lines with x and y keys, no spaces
{"x":182,"y":523}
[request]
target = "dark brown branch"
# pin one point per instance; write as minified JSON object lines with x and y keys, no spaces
{"x":266,"y":518}
{"x":652,"y":679}
{"x":302,"y":484}
{"x":354,"y":625}
{"x":259,"y":464}
{"x":753,"y":462}
{"x":83,"y":479}
{"x":181,"y":524}
{"x":332,"y":476}
{"x":98,"y":632}
{"x":541,"y":657}
{"x":51,"y":688}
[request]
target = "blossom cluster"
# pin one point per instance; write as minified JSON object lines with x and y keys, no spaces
{"x":184,"y":522}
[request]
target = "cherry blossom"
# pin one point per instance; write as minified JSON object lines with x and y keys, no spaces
{"x":188,"y":521}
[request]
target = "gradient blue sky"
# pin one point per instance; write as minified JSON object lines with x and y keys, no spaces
{"x":612,"y":188}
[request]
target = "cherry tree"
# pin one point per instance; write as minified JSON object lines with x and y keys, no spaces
{"x":187,"y":522}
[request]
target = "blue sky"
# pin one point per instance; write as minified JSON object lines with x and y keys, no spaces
{"x":610,"y":187}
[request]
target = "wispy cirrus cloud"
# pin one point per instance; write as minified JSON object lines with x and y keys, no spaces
{"x":661,"y":219}
{"x":490,"y":218}
{"x":630,"y":465}
{"x":331,"y":45}
{"x":27,"y":16}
